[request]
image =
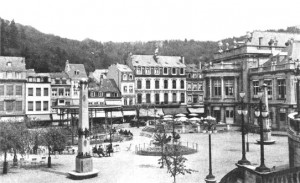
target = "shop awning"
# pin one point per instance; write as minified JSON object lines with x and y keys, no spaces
{"x":115,"y":114}
{"x":101,"y":114}
{"x":151,"y":112}
{"x":174,"y":111}
{"x":57,"y":117}
{"x":129,"y":113}
{"x":39,"y":117}
{"x":12,"y":119}
{"x":196,"y":110}
{"x":115,"y":102}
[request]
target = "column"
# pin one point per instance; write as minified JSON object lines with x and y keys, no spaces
{"x":210,"y":88}
{"x":222,"y":88}
{"x":236,"y":89}
{"x":222,"y":111}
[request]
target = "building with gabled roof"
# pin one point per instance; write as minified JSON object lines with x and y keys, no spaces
{"x":12,"y":89}
{"x":76,"y":73}
{"x":160,"y":80}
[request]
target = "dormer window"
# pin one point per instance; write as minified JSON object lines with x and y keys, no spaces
{"x":147,"y":70}
{"x":76,"y":72}
{"x":181,"y":71}
{"x":156,"y":71}
{"x":139,"y":71}
{"x":125,"y":77}
{"x":173,"y":70}
{"x":130,"y":77}
{"x":165,"y":70}
{"x":38,"y":79}
{"x":30,"y":79}
{"x":8,"y":64}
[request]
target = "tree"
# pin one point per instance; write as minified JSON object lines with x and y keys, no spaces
{"x":161,"y":140}
{"x":54,"y":139}
{"x":12,"y":135}
{"x":13,"y":35}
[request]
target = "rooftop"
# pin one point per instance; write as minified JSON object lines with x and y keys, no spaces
{"x":123,"y":68}
{"x":75,"y":71}
{"x":12,"y":64}
{"x":192,"y":68}
{"x":58,"y":75}
{"x":161,"y":61}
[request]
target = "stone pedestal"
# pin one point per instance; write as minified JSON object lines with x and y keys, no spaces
{"x":84,"y":165}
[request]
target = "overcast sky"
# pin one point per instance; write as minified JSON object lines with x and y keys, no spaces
{"x":143,"y":20}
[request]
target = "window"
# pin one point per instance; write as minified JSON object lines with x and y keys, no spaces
{"x":148,"y":98}
{"x":255,"y":87}
{"x":33,"y":79}
{"x":1,"y":75}
{"x":9,"y":106}
{"x":156,"y":84}
{"x":61,"y":92}
{"x":46,"y":91}
{"x":217,"y":88}
{"x":165,"y":70}
{"x":195,"y":99}
{"x":139,"y":98}
{"x":54,"y":92}
{"x":67,"y":91}
{"x":281,"y":88}
{"x":107,"y":94}
{"x":173,"y":70}
{"x":1,"y":105}
{"x":125,"y":77}
{"x":9,"y":75}
{"x":189,"y":99}
{"x":19,"y":90}
{"x":18,"y":105}
{"x":130,"y":89}
{"x":147,"y":70}
{"x":38,"y":79}
{"x":1,"y":90}
{"x":45,"y":106}
{"x":148,"y":84}
{"x":125,"y":89}
{"x":194,"y":75}
{"x":182,"y":84}
{"x":174,"y":84}
{"x":165,"y":84}
{"x":174,"y":97}
{"x":260,"y":41}
{"x":68,"y":103}
{"x":18,"y":75}
{"x":139,"y":84}
{"x":156,"y":71}
{"x":38,"y":106}
{"x":125,"y":101}
{"x":200,"y":98}
{"x":64,"y":81}
{"x":200,"y":86}
{"x":139,"y":71}
{"x":38,"y":92}
{"x":181,"y":71}
{"x":130,"y":101}
{"x":229,"y":113}
{"x":156,"y":98}
{"x":195,"y":87}
{"x":54,"y":104}
{"x":9,"y":90}
{"x":166,"y":100}
{"x":189,"y":87}
{"x":30,"y":91}
{"x":130,"y":77}
{"x":182,"y":98}
{"x":76,"y":72}
{"x":282,"y":116}
{"x":207,"y":87}
{"x":8,"y":64}
{"x":269,"y":87}
{"x":61,"y":102}
{"x":229,"y":87}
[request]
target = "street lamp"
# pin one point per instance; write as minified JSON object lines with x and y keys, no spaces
{"x":242,"y":111}
{"x":155,"y":110}
{"x":261,"y":113}
{"x":210,"y":123}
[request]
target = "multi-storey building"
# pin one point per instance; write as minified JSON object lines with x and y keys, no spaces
{"x":160,"y":80}
{"x":38,"y":96}
{"x":124,"y":78}
{"x":12,"y":88}
{"x":228,"y":73}
{"x":278,"y":74}
{"x":194,"y":88}
{"x":75,"y":72}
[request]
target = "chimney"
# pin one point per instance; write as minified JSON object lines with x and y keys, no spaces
{"x":101,"y":79}
{"x":199,"y":65}
{"x":155,"y":54}
{"x":182,"y":59}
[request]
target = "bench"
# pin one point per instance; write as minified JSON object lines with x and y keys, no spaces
{"x":43,"y":160}
{"x":34,"y":161}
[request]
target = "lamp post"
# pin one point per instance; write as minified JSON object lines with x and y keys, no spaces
{"x":261,"y":113}
{"x":243,"y":112}
{"x":210,"y":123}
{"x":297,"y":72}
{"x":155,"y":110}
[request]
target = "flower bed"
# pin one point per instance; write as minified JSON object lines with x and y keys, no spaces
{"x":156,"y":151}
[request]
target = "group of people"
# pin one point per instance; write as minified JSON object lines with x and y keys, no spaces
{"x":100,"y":151}
{"x":125,"y":132}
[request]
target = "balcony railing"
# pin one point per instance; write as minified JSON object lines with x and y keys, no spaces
{"x":273,"y":68}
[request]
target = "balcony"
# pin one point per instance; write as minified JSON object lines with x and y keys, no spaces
{"x":274,"y":67}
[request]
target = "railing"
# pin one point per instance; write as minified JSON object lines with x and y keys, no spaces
{"x":273,"y":68}
{"x":221,"y":66}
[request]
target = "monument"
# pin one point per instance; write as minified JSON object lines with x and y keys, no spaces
{"x":84,"y":163}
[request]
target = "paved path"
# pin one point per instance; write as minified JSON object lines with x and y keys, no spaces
{"x":125,"y":166}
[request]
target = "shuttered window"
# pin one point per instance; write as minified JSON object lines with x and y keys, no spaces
{"x":9,"y":89}
{"x":38,"y":106}
{"x":9,"y":106}
{"x":1,"y":90}
{"x":18,"y":105}
{"x":45,"y":106}
{"x":30,"y":106}
{"x":19,"y":90}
